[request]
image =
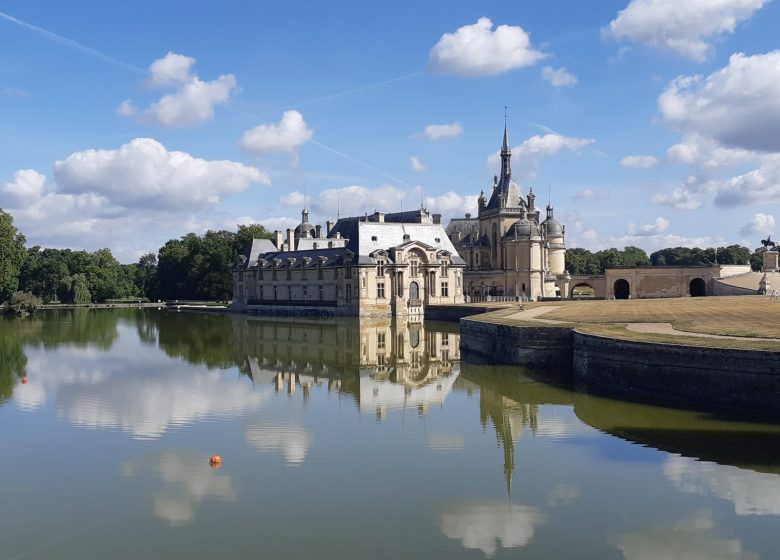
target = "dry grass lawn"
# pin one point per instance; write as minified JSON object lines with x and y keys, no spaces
{"x":743,"y":316}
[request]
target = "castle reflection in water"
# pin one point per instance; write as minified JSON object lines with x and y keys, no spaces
{"x":384,"y":364}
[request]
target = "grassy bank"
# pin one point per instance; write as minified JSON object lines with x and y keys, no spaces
{"x":749,"y":317}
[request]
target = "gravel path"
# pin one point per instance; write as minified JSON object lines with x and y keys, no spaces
{"x":651,"y":328}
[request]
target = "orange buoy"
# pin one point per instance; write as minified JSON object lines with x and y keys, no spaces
{"x":215,"y":461}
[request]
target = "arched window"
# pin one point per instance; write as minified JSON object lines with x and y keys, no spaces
{"x":414,"y":290}
{"x":495,"y":241}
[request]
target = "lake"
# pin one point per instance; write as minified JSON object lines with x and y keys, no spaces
{"x":349,"y":439}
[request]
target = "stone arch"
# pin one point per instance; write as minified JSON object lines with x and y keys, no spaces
{"x":621,"y":289}
{"x":583,"y":290}
{"x":697,"y":287}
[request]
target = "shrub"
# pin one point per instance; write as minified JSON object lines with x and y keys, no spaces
{"x":22,"y":304}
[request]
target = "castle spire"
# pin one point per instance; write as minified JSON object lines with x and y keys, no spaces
{"x":506,"y":154}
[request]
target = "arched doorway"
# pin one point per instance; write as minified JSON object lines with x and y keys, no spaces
{"x":583,"y":290}
{"x":622,"y":290}
{"x":698,"y":288}
{"x":414,"y":290}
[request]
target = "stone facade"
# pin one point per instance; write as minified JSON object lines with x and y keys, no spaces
{"x":377,"y":265}
{"x":509,"y":248}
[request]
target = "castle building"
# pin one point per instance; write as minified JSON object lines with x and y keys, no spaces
{"x":373,"y":265}
{"x":509,"y":248}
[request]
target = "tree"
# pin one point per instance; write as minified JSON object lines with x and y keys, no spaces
{"x":80,"y":289}
{"x":245,"y":235}
{"x":44,"y":273}
{"x":146,"y":275}
{"x":12,"y":255}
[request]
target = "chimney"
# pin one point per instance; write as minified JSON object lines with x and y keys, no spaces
{"x":290,"y":240}
{"x":318,"y":231}
{"x":437,"y":218}
{"x":338,"y":235}
{"x":278,"y":240}
{"x":328,"y":227}
{"x":379,"y":217}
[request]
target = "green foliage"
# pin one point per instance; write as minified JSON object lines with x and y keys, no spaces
{"x":80,"y":289}
{"x":50,"y":274}
{"x":12,"y":360}
{"x":582,"y":261}
{"x":12,"y":255}
{"x":200,"y":267}
{"x":22,"y":304}
{"x":691,"y":256}
{"x":245,"y":235}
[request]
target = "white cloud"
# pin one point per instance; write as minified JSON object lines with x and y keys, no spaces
{"x":126,"y":108}
{"x":295,"y":199}
{"x":526,"y":156}
{"x":25,"y":188}
{"x":356,"y":200}
{"x":438,"y":131}
{"x":186,"y":484}
{"x":292,"y":440}
{"x":559,"y":77}
{"x":451,"y":204}
{"x":417,"y":165}
{"x":477,"y":50}
{"x":192,"y":102}
{"x":690,"y":195}
{"x":640,"y":162}
{"x":705,"y":153}
{"x":589,"y":238}
{"x":685,"y":27}
{"x":759,"y":186}
{"x":488,"y":526}
{"x":287,"y":135}
{"x":144,"y":173}
{"x":751,"y":492}
{"x":660,"y":225}
{"x":761,"y":224}
{"x":280,"y":223}
{"x":173,"y":68}
{"x":591,"y":194}
{"x":738,"y":105}
{"x":692,"y":538}
{"x":131,"y":199}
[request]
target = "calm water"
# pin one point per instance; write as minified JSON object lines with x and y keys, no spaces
{"x":349,"y":439}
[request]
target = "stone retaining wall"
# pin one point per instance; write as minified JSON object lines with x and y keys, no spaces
{"x":717,"y":378}
{"x":544,"y":347}
{"x":746,"y":380}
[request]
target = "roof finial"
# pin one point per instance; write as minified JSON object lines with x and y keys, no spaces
{"x":505,"y":145}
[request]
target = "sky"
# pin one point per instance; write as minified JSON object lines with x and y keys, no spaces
{"x":645,"y":122}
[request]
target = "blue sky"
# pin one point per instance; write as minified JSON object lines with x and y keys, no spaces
{"x":650,"y":122}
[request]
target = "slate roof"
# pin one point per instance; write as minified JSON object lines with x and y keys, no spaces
{"x":259,"y":246}
{"x":335,"y":257}
{"x":361,"y":236}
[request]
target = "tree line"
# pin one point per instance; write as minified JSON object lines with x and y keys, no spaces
{"x":582,"y":261}
{"x":191,"y":267}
